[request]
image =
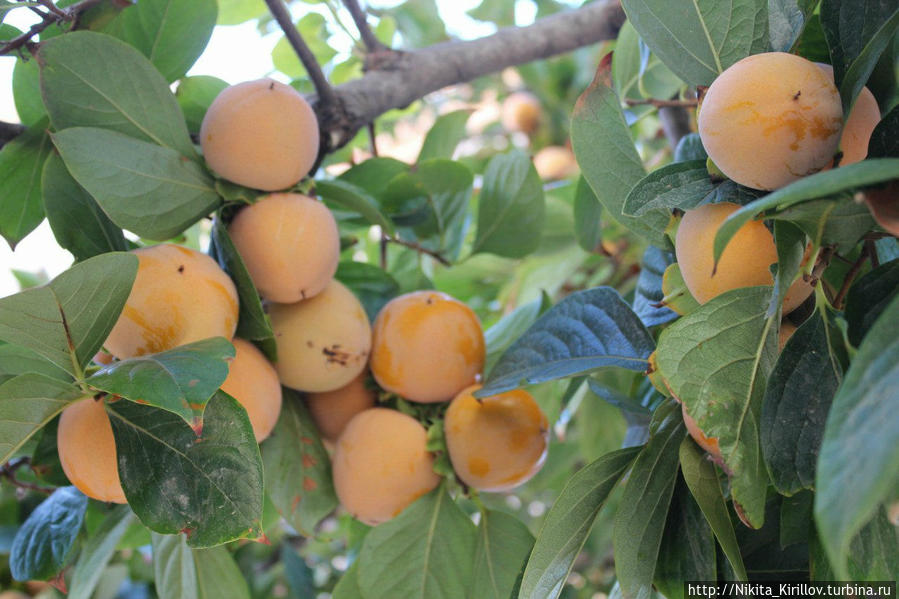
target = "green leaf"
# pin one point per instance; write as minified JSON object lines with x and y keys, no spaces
{"x":504,"y":543}
{"x":252,"y":322}
{"x":424,"y":552}
{"x":209,"y":487}
{"x":347,"y":196}
{"x":716,"y":361}
{"x":348,"y":585}
{"x":171,"y":33}
{"x":444,"y":135}
{"x":27,"y":403}
{"x":587,"y":214}
{"x":218,"y":575}
{"x":180,"y":380}
{"x":839,"y":221}
{"x":786,"y":21}
{"x":194,"y":95}
{"x":78,"y":90}
{"x":687,"y":550}
{"x":419,"y":23}
{"x":67,"y":320}
{"x":796,"y":519}
{"x":702,"y":480}
{"x":175,"y":572}
{"x":819,"y":185}
{"x":648,"y":294}
{"x":314,"y":29}
{"x":638,"y":73}
{"x":511,"y":207}
{"x":790,"y":244}
{"x":372,"y":286}
{"x":298,"y":479}
{"x":677,"y":296}
{"x":45,"y":540}
{"x":690,"y":148}
{"x":374,"y":175}
{"x":867,"y":299}
{"x":699,"y":41}
{"x":861,"y":422}
{"x":586,"y":330}
{"x":606,"y":154}
{"x":884,"y":142}
{"x":568,"y":522}
{"x":26,"y":90}
{"x":499,"y":12}
{"x":21,"y":161}
{"x":78,"y":223}
{"x":97,"y":551}
{"x":640,"y":520}
{"x":235,"y":12}
{"x":45,"y":462}
{"x":150,"y":190}
{"x":509,"y":328}
{"x":800,"y":390}
{"x":299,"y":576}
{"x":16,"y":360}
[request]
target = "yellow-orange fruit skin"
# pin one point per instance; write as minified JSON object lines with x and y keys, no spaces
{"x":332,"y":410}
{"x":290,"y":245}
{"x":498,"y":442}
{"x":323,"y":342}
{"x":744,"y":263}
{"x":253,"y":381}
{"x":771,"y":119}
{"x":381,"y":465}
{"x":521,"y":112}
{"x":179,"y":296}
{"x":786,"y":331}
{"x":555,"y":162}
{"x":857,"y":129}
{"x":710,"y":444}
{"x":427,"y":346}
{"x":87,"y":450}
{"x":260,"y":134}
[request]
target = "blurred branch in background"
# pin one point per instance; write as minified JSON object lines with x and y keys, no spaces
{"x":372,"y":44}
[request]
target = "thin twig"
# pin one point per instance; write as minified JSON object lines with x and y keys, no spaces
{"x":9,"y":469}
{"x":372,"y":43}
{"x":661,"y":103}
{"x":421,"y":250}
{"x":372,"y":140}
{"x":322,"y":87}
{"x":48,"y":4}
{"x":850,"y":276}
{"x":70,"y":14}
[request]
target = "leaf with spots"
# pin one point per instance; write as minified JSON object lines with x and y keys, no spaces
{"x":180,"y":380}
{"x":298,"y":471}
{"x":208,"y":486}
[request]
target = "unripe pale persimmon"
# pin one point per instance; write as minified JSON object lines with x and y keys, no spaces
{"x":381,"y":465}
{"x":521,"y":112}
{"x":857,"y":129}
{"x":332,"y":410}
{"x":427,"y":346}
{"x":179,"y":296}
{"x":555,"y":162}
{"x":261,"y":134}
{"x":744,"y":263}
{"x":710,"y":444}
{"x":253,"y":381}
{"x":771,"y":119}
{"x":323,"y":342}
{"x":290,"y":245}
{"x":498,"y":442}
{"x":87,"y":450}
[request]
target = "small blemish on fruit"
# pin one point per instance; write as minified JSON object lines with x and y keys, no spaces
{"x":181,"y":269}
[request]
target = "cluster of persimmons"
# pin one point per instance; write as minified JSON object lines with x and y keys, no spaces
{"x":424,"y":346}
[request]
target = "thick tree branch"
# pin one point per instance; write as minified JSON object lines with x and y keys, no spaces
{"x":372,"y":44}
{"x":403,"y":77}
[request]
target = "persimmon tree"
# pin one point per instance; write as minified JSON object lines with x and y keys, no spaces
{"x":698,"y":426}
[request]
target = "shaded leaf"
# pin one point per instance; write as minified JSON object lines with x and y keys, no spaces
{"x":338,"y":193}
{"x":509,"y":328}
{"x":27,"y":403}
{"x":884,"y":142}
{"x":372,"y":286}
{"x":44,"y":541}
{"x":868,"y":298}
{"x":194,"y":95}
{"x":649,"y":288}
{"x":21,"y":161}
{"x":587,"y":213}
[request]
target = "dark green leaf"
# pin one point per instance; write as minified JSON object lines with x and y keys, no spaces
{"x":16,"y":360}
{"x":510,"y":207}
{"x":372,"y":286}
{"x":44,"y":542}
{"x":830,"y":221}
{"x":78,"y":90}
{"x":194,"y":95}
{"x":699,"y":42}
{"x":444,"y":135}
{"x":640,"y":520}
{"x":27,"y":403}
{"x":338,"y":193}
{"x":298,"y":574}
{"x":171,"y":33}
{"x":298,"y":479}
{"x":796,"y":403}
{"x":790,"y":243}
{"x":690,"y":148}
{"x":649,"y":293}
{"x":811,"y":44}
{"x":861,"y":422}
{"x":716,"y":361}
{"x":587,"y":213}
{"x":868,"y":298}
{"x":97,"y":551}
{"x":45,"y":462}
{"x":67,"y":320}
{"x":796,"y":518}
{"x":586,"y":330}
{"x":209,"y":487}
{"x":702,"y":480}
{"x":567,"y":525}
{"x":145,"y":188}
{"x":180,"y":380}
{"x":853,"y":176}
{"x":78,"y":223}
{"x":884,"y":142}
{"x":508,"y":329}
{"x":252,"y":323}
{"x":21,"y":161}
{"x":504,"y":543}
{"x":424,"y":552}
{"x":26,"y":90}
